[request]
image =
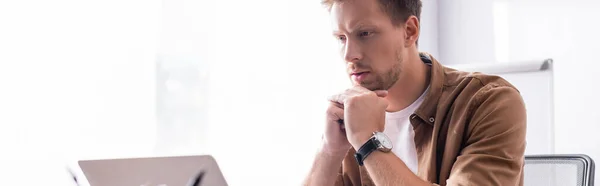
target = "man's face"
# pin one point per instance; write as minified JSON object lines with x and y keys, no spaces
{"x":371,"y":45}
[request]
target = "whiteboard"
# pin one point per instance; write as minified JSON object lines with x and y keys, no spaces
{"x":534,"y":80}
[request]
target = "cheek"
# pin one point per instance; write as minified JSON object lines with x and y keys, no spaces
{"x":384,"y":58}
{"x":387,"y":48}
{"x":386,"y":62}
{"x":383,"y":53}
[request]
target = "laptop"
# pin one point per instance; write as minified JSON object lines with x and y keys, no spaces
{"x":154,"y":171}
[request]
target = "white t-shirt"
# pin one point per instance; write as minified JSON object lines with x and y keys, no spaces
{"x":400,"y":132}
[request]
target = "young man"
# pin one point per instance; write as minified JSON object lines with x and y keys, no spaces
{"x":409,"y":120}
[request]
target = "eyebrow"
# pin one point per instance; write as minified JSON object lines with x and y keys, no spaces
{"x":362,"y":26}
{"x":357,"y":26}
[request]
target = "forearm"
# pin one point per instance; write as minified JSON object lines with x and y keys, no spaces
{"x":325,"y":168}
{"x":388,"y":169}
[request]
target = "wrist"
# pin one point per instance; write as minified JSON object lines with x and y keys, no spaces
{"x":333,"y":155}
{"x":360,"y":139}
{"x":331,"y":151}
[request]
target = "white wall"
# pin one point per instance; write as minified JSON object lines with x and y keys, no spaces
{"x":76,"y":82}
{"x":429,"y":38}
{"x":529,"y":30}
{"x":185,"y":54}
{"x":466,"y":31}
{"x":265,"y":91}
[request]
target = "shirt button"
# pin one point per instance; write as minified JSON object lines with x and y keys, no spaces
{"x":431,"y":119}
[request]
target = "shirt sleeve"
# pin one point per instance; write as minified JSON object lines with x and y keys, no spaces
{"x":339,"y":181}
{"x":350,"y":173}
{"x":495,"y":145}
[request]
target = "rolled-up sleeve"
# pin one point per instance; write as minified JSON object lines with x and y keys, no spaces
{"x":494,"y":148}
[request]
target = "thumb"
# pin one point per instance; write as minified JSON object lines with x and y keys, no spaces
{"x":381,"y":93}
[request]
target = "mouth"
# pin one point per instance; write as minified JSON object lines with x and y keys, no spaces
{"x":358,"y":73}
{"x":359,"y":76}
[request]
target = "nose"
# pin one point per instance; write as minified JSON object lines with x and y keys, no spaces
{"x":352,"y":52}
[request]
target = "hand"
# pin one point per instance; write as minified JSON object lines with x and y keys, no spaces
{"x":363,"y":113}
{"x":334,"y":140}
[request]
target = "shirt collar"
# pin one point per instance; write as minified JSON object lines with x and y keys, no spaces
{"x":428,"y":108}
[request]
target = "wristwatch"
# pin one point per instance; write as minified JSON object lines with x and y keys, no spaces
{"x":379,"y":141}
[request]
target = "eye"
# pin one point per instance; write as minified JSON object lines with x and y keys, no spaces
{"x":365,"y":34}
{"x":341,"y":38}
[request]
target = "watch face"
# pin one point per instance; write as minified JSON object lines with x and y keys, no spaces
{"x":384,"y":141}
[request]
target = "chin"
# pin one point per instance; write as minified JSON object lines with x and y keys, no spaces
{"x":371,"y":86}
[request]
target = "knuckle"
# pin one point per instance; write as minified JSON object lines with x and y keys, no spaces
{"x":333,"y":97}
{"x":365,"y":96}
{"x":330,"y":108}
{"x":333,"y":109}
{"x":351,"y":100}
{"x":358,"y":87}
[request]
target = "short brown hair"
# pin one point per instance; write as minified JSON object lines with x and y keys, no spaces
{"x":397,"y":10}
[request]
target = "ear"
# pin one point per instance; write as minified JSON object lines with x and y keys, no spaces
{"x":412,"y":31}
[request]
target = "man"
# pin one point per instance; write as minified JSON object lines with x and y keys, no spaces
{"x":409,"y":120}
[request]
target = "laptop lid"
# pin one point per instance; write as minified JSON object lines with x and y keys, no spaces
{"x":153,"y":171}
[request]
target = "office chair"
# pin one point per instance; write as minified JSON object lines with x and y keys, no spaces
{"x":559,"y":170}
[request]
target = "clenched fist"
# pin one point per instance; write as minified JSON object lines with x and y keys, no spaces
{"x":353,"y":116}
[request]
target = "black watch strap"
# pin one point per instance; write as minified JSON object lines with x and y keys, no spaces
{"x":365,"y":150}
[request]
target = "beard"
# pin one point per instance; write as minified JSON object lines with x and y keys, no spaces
{"x":384,"y":80}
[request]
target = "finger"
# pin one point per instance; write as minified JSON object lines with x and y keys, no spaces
{"x":338,"y":98}
{"x":335,"y":113}
{"x":384,"y":102}
{"x":381,"y":93}
{"x":360,"y":88}
{"x":341,"y":123}
{"x":338,"y":105}
{"x":341,"y":98}
{"x":357,"y":89}
{"x":338,"y":115}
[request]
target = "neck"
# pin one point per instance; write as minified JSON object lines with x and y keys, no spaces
{"x":413,"y":81}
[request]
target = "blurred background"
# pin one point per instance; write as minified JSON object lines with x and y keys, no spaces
{"x":130,"y":78}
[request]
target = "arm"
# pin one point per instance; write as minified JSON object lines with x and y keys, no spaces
{"x":388,"y":169}
{"x":385,"y":168}
{"x":364,"y":113}
{"x":494,"y":150}
{"x":328,"y":160}
{"x":325,"y":168}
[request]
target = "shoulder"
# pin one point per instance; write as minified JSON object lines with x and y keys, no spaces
{"x":478,"y":86}
{"x":488,"y":120}
{"x":485,"y":98}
